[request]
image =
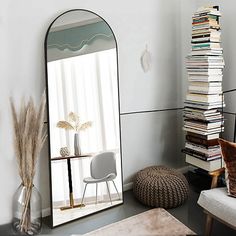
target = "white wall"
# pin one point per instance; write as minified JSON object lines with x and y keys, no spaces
{"x":148,"y":139}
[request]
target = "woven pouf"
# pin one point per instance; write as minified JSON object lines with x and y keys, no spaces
{"x":160,"y":186}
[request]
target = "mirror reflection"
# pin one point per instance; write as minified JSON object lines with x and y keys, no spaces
{"x":86,"y":174}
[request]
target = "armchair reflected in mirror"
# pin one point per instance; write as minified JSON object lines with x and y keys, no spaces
{"x":83,"y":115}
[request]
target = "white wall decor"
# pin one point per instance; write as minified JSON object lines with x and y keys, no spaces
{"x":146,"y":60}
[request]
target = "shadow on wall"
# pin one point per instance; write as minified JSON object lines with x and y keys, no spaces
{"x":172,"y":140}
{"x":229,"y":127}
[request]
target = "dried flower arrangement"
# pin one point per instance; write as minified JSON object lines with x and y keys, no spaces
{"x":74,"y":123}
{"x":29,"y":138}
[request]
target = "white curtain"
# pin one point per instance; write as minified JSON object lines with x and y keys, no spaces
{"x":87,"y":85}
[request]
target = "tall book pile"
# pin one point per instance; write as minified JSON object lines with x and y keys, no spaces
{"x":203,"y":119}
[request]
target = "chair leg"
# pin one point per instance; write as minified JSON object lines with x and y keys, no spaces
{"x":209,"y":221}
{"x":109,"y":192}
{"x":116,"y":189}
{"x":96,"y":193}
{"x":83,"y":194}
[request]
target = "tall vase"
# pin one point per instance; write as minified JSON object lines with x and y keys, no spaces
{"x":27,"y":211}
{"x":77,"y":150}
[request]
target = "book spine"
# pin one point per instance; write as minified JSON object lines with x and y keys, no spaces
{"x":200,"y":155}
{"x":200,"y":141}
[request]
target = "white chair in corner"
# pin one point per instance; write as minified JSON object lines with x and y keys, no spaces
{"x":102,"y":169}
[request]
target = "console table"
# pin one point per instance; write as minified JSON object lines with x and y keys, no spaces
{"x":71,"y":197}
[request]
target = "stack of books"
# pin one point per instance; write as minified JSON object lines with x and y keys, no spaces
{"x":203,"y":119}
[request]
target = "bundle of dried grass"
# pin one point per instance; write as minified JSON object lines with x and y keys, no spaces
{"x":29,"y":138}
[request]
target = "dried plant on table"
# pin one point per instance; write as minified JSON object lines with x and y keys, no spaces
{"x":73,"y":123}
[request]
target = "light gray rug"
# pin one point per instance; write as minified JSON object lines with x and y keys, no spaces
{"x":153,"y":222}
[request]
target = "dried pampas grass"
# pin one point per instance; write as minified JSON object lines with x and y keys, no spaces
{"x":64,"y":125}
{"x":73,"y":123}
{"x":29,"y":137}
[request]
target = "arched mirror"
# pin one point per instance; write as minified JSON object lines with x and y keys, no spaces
{"x":83,"y":116}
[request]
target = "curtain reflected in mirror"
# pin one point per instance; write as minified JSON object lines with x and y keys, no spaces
{"x":84,"y":126}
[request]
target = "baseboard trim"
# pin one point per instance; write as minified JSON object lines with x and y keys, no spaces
{"x":128,"y":186}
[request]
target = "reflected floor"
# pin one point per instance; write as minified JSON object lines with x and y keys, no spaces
{"x":60,"y":217}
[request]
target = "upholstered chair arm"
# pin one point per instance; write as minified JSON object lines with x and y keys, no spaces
{"x":215,"y":174}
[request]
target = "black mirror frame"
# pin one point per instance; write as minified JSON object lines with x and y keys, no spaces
{"x":48,"y":128}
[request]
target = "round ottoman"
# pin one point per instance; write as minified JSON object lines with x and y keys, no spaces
{"x":160,"y":186}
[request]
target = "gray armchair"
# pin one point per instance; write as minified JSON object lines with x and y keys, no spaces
{"x":102,"y":169}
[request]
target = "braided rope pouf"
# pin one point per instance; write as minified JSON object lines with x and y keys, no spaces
{"x":160,"y":186}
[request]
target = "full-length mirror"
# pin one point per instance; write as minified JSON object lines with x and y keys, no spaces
{"x":83,"y":115}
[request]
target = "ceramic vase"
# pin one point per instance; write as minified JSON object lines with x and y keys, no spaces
{"x":77,"y":150}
